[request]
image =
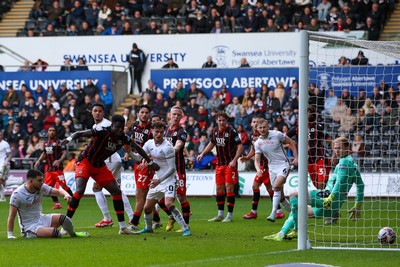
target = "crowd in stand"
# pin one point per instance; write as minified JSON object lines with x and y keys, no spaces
{"x":123,"y":17}
{"x":28,"y":112}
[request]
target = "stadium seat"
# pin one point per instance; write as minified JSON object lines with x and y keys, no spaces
{"x":22,"y":33}
{"x":42,"y":24}
{"x":171,"y":21}
{"x":158,"y":20}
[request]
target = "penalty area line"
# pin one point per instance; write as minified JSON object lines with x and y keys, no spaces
{"x":223,"y":258}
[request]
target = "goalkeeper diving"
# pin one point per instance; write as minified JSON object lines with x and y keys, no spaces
{"x":325,"y":203}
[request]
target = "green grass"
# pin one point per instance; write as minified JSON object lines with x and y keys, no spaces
{"x":212,"y":244}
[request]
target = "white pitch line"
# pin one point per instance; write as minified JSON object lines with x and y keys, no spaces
{"x":223,"y":258}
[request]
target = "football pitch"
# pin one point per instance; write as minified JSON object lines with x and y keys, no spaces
{"x":239,"y":243}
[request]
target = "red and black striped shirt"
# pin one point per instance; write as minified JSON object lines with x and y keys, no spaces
{"x":173,"y":135}
{"x":226,"y":142}
{"x":102,"y":146}
{"x":53,"y":150}
{"x":264,"y":161}
{"x":140,"y":134}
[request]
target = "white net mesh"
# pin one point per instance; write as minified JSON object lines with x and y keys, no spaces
{"x":356,"y":94}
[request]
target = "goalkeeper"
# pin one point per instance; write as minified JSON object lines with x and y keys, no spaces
{"x":325,"y":203}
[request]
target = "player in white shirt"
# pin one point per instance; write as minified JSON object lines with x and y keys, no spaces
{"x":270,"y":143}
{"x":164,"y":183}
{"x":114,"y":164}
{"x":5,"y":156}
{"x":26,"y":201}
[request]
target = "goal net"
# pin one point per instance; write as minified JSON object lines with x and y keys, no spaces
{"x":354,"y":85}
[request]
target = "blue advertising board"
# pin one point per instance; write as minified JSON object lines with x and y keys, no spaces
{"x":354,"y":78}
{"x":54,"y":78}
{"x":235,"y":79}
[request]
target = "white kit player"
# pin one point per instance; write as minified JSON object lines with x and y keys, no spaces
{"x":114,"y":164}
{"x":26,"y":202}
{"x":5,"y":156}
{"x":164,"y":182}
{"x":270,"y":143}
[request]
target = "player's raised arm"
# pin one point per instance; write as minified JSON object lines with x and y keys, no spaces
{"x":208,"y":148}
{"x":76,"y":135}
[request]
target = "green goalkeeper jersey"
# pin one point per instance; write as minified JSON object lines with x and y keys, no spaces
{"x":345,"y":175}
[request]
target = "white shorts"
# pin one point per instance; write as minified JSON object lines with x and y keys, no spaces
{"x":165,"y":189}
{"x":278,"y":170}
{"x":116,"y":169}
{"x":4,"y":172}
{"x":30,"y":231}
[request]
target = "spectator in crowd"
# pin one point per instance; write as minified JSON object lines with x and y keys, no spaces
{"x":172,"y":99}
{"x":376,"y":96}
{"x":338,"y":111}
{"x":288,"y":116}
{"x":214,"y":102}
{"x":347,"y":122}
{"x":372,"y":121}
{"x":372,"y":30}
{"x":70,"y":166}
{"x":137,"y":23}
{"x":60,"y":129}
{"x":129,"y":118}
{"x":37,"y":121}
{"x":330,"y":102}
{"x":35,"y":145}
{"x":241,"y":118}
{"x":66,"y":120}
{"x":67,"y":65}
{"x":72,"y":30}
{"x":323,"y":10}
{"x":343,"y":61}
{"x":243,"y":63}
{"x":137,"y":62}
{"x":209,"y":63}
{"x":49,"y":119}
{"x":360,"y":99}
{"x":152,"y":89}
{"x":107,"y":99}
{"x":272,"y":102}
{"x":26,"y":67}
{"x":14,"y":133}
{"x":146,"y":100}
{"x":11,"y":96}
{"x":103,"y":13}
{"x":113,"y":30}
{"x":278,"y":123}
{"x":348,"y":99}
{"x":360,"y":59}
{"x":368,"y":105}
{"x":225,"y":97}
{"x":40,"y":65}
{"x":180,"y":91}
{"x":388,"y":120}
{"x":219,"y":29}
{"x":81,"y":65}
{"x":233,"y":109}
{"x":358,"y":147}
{"x":91,"y":89}
{"x":231,"y":13}
{"x":171,"y":64}
{"x":360,"y":119}
{"x":54,"y":14}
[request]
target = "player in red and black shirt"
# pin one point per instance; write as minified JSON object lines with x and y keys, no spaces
{"x":177,"y":136}
{"x":318,"y":160}
{"x":104,"y":143}
{"x":54,"y":153}
{"x":141,"y":132}
{"x":229,"y":149}
{"x":258,"y":181}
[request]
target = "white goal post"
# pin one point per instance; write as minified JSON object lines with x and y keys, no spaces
{"x":380,"y":140}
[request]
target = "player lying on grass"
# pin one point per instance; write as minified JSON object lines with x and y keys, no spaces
{"x":324,"y":203}
{"x":164,"y":182}
{"x":26,"y":201}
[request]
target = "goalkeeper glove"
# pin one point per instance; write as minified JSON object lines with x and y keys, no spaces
{"x":328,"y":201}
{"x":355,"y":212}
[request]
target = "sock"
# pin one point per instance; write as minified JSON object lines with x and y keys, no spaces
{"x":256,"y":199}
{"x":69,"y":191}
{"x":285,"y":203}
{"x":73,"y":205}
{"x":231,"y":202}
{"x":186,"y":211}
{"x":67,"y":225}
{"x":102,"y":203}
{"x":136,"y":218}
{"x":294,"y":204}
{"x":148,"y":218}
{"x":56,"y":233}
{"x":178,"y":217}
{"x":55,"y":199}
{"x":275,"y":201}
{"x":220,"y":198}
{"x":289,"y":224}
{"x":2,"y":194}
{"x":161,"y":203}
{"x":127,"y":206}
{"x":119,"y":208}
{"x":156,"y":217}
